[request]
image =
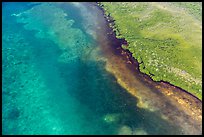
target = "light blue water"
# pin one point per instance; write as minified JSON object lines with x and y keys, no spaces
{"x":52,"y":84}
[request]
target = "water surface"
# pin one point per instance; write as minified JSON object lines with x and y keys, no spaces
{"x":55,"y":78}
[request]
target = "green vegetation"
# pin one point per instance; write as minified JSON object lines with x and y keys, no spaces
{"x":166,"y":38}
{"x":193,"y":8}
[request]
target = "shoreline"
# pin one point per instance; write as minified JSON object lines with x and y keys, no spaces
{"x":173,"y":103}
{"x":134,"y":62}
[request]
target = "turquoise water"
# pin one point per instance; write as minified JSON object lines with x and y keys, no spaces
{"x":52,"y":83}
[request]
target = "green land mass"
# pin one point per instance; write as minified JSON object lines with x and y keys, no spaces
{"x":165,"y":38}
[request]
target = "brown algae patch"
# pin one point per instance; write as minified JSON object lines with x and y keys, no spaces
{"x":123,"y":80}
{"x":173,"y":104}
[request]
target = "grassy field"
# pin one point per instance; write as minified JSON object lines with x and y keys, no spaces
{"x":165,"y":38}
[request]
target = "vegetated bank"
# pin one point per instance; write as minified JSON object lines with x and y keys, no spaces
{"x":165,"y":38}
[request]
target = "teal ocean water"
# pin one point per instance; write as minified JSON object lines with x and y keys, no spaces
{"x":53,"y":81}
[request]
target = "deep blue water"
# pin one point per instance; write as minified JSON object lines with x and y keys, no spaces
{"x":52,"y":83}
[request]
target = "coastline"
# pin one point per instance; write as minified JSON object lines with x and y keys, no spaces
{"x":134,"y":61}
{"x":83,"y":79}
{"x":126,"y":70}
{"x":171,"y":66}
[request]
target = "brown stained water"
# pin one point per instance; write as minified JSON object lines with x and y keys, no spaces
{"x":171,"y":103}
{"x":69,"y":75}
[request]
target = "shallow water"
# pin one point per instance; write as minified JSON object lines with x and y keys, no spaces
{"x":55,"y":78}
